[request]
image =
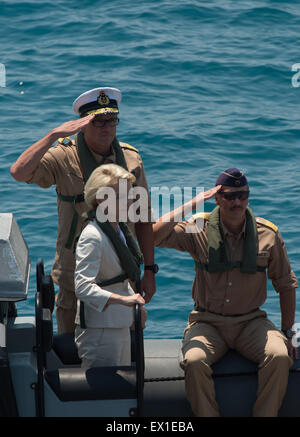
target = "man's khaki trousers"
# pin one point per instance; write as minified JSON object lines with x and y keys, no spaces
{"x":66,"y":307}
{"x":209,"y":336}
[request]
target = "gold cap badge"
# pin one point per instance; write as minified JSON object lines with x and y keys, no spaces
{"x":103,"y":99}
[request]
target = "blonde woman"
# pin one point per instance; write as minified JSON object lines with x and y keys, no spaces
{"x":106,"y":258}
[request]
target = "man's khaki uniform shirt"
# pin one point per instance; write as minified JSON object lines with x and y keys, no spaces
{"x":233,"y":292}
{"x":60,"y":166}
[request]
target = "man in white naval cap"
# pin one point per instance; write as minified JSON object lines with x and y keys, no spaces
{"x":68,"y":165}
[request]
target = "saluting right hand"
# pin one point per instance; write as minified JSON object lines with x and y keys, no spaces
{"x":71,"y":127}
{"x":203,"y":196}
{"x":26,"y":164}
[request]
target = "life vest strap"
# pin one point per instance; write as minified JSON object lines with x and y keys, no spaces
{"x":115,"y":280}
{"x":74,"y":199}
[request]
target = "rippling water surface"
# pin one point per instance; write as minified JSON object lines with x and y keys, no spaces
{"x":206,"y":86}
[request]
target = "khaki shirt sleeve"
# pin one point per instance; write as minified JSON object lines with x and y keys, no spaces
{"x":180,"y":239}
{"x":45,"y":173}
{"x":136,"y":167}
{"x":140,"y":174}
{"x":88,"y":262}
{"x":279,"y":269}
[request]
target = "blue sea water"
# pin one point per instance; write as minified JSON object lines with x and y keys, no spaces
{"x":206,"y":86}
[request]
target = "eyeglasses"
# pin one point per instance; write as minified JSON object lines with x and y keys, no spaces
{"x":97,"y":122}
{"x":232,"y":195}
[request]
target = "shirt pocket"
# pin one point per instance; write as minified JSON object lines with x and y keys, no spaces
{"x":262,"y":258}
{"x":70,"y":182}
{"x":74,"y":172}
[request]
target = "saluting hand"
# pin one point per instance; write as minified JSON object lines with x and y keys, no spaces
{"x":26,"y":164}
{"x":72,"y":127}
{"x":197,"y":200}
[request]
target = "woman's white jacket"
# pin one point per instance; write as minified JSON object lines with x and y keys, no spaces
{"x":96,"y":261}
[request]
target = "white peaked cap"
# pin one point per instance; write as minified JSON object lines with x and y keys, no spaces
{"x":98,"y":101}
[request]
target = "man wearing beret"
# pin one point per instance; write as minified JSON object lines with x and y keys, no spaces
{"x":234,"y":253}
{"x":68,"y":165}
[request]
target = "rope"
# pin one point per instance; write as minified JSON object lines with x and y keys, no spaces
{"x":174,"y":378}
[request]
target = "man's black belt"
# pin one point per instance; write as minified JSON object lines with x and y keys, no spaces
{"x":203,"y":310}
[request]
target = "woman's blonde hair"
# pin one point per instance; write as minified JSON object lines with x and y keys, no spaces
{"x":106,"y":175}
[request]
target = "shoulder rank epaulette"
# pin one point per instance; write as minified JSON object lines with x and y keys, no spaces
{"x":65,"y":141}
{"x":267,"y":223}
{"x":201,"y":215}
{"x":128,"y":146}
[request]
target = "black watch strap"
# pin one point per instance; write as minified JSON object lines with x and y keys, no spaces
{"x":153,"y":267}
{"x":289,"y":333}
